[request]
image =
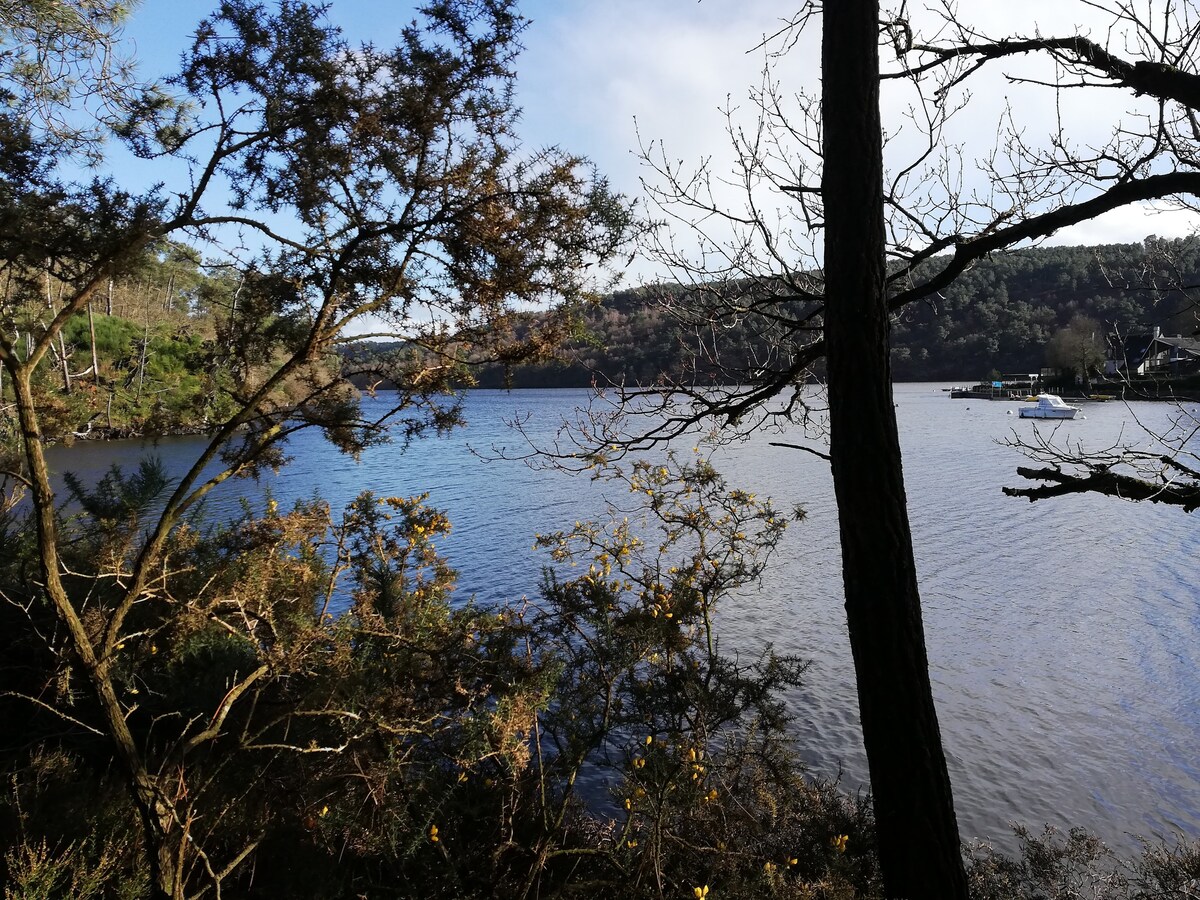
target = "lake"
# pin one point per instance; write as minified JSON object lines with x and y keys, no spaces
{"x":1063,"y":636}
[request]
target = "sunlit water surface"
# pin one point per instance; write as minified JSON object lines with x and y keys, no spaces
{"x":1063,"y":636}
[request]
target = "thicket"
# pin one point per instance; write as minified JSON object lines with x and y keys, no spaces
{"x":148,"y":356}
{"x":349,"y":729}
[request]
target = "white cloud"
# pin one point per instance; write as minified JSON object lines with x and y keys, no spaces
{"x":1129,"y":226}
{"x":591,"y":69}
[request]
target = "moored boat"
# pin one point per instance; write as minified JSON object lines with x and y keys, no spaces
{"x":1049,"y":406}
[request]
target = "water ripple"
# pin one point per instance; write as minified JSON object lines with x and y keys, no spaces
{"x":1062,"y":635}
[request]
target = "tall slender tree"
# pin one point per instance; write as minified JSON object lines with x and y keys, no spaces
{"x":919,"y":846}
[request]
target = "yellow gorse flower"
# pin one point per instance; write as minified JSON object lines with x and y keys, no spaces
{"x":700,"y":892}
{"x":839,"y":842}
{"x":433,"y":833}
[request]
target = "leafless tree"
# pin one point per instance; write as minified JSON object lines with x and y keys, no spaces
{"x":796,"y":255}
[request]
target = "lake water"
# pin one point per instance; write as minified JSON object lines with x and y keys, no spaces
{"x":1063,"y":636}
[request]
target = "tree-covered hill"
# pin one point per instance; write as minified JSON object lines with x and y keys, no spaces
{"x":160,"y":362}
{"x":1002,"y":314}
{"x":999,"y":315}
{"x":144,"y":357}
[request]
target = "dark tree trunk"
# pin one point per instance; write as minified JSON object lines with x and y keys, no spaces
{"x":919,"y":846}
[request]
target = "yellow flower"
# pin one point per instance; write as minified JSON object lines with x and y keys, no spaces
{"x":711,"y":795}
{"x":768,"y":867}
{"x":324,"y":812}
{"x":631,"y":844}
{"x":649,"y":739}
{"x":700,"y":892}
{"x":792,"y":861}
{"x":639,"y":763}
{"x":839,"y":842}
{"x":628,"y":803}
{"x":433,"y":833}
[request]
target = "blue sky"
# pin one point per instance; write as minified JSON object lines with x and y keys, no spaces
{"x":595,"y":73}
{"x":589,"y":68}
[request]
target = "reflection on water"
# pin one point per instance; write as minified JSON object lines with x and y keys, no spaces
{"x":1062,"y":635}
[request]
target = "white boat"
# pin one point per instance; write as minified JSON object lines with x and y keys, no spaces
{"x":1049,"y":406}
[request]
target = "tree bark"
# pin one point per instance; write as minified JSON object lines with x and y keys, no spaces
{"x":919,"y":846}
{"x":158,"y":819}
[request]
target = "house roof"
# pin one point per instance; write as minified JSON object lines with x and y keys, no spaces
{"x":1186,"y":344}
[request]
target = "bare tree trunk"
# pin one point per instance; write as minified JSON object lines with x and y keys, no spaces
{"x":61,"y":349}
{"x":66,"y":364}
{"x":237,"y":293}
{"x":919,"y":846}
{"x":92,"y":334}
{"x":145,"y":349}
{"x":108,"y":300}
{"x":158,"y":819}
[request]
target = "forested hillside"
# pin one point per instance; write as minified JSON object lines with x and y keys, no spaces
{"x":162,"y":365}
{"x":998,"y":316}
{"x":145,"y":357}
{"x":1001,"y":314}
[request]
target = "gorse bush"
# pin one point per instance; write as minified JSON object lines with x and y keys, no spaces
{"x":1077,"y":866}
{"x":336,"y":725}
